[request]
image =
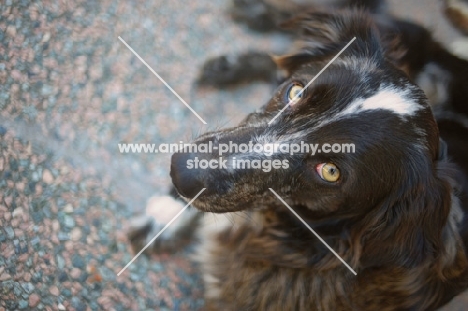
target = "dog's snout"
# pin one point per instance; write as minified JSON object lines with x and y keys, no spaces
{"x":188,"y":182}
{"x":218,"y":162}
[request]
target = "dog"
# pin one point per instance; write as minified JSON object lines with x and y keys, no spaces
{"x":395,"y":210}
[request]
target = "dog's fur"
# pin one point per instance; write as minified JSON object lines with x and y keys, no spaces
{"x":397,"y":215}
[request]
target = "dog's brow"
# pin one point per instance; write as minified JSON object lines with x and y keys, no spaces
{"x":311,"y":81}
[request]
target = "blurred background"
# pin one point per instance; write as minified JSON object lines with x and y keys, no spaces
{"x":70,"y":91}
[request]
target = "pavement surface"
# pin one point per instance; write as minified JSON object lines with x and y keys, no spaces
{"x":70,"y":91}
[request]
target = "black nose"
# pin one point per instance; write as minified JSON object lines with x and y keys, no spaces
{"x":188,"y":181}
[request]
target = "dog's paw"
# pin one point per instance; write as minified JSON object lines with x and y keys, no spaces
{"x":159,"y":213}
{"x":229,"y":70}
{"x":221,"y":70}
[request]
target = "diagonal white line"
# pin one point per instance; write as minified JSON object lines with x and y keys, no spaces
{"x":311,"y":81}
{"x":162,"y":80}
{"x":160,"y":232}
{"x":312,"y":230}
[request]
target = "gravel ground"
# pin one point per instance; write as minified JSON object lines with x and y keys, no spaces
{"x":70,"y":91}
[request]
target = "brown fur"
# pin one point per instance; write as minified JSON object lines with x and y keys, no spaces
{"x":398,"y":218}
{"x":407,"y":249}
{"x":248,"y":267}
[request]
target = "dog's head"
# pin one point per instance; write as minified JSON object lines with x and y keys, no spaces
{"x":363,"y":100}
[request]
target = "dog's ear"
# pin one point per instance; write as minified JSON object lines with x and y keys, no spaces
{"x":323,"y":28}
{"x":323,"y":35}
{"x":412,"y":225}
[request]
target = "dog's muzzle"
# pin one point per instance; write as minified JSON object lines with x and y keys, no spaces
{"x":234,"y":176}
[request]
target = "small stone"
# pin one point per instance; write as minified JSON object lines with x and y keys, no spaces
{"x":76,"y":234}
{"x":11,"y":305}
{"x":35,"y":176}
{"x":34,"y":300}
{"x":7,"y":286}
{"x":64,"y":170}
{"x":62,"y":277}
{"x":20,"y":186}
{"x":22,"y":304}
{"x":75,"y":273}
{"x":53,"y":290}
{"x":69,"y":246}
{"x":62,"y":236}
{"x":17,"y":246}
{"x":11,"y":31}
{"x":3,"y":130}
{"x":29,"y":261}
{"x":60,"y":202}
{"x":55,"y":225}
{"x":37,"y":217}
{"x":28,"y":287}
{"x":68,"y":221}
{"x":37,"y":277}
{"x":17,"y":289}
{"x":60,"y":262}
{"x":68,"y":208}
{"x":46,"y":37}
{"x":78,"y":262}
{"x":47,"y":177}
{"x":35,"y":241}
{"x":10,"y":232}
{"x":77,"y":304}
{"x":46,"y":90}
{"x":22,"y":258}
{"x":66,"y":292}
{"x":61,"y":307}
{"x":4,"y":276}
{"x":134,"y":277}
{"x":17,"y":212}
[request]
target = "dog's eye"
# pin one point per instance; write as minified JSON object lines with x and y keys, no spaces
{"x":328,"y":172}
{"x":295,"y":90}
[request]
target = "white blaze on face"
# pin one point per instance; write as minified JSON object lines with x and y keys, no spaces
{"x":388,"y":98}
{"x":394,"y":102}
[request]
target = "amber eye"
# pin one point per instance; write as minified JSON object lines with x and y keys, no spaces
{"x":328,"y":172}
{"x":295,"y":90}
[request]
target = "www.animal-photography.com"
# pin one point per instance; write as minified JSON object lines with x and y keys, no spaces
{"x":234,"y":155}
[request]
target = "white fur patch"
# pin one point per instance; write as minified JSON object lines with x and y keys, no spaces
{"x":163,"y":208}
{"x":388,"y":98}
{"x":460,"y":48}
{"x":390,"y":101}
{"x":159,"y":212}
